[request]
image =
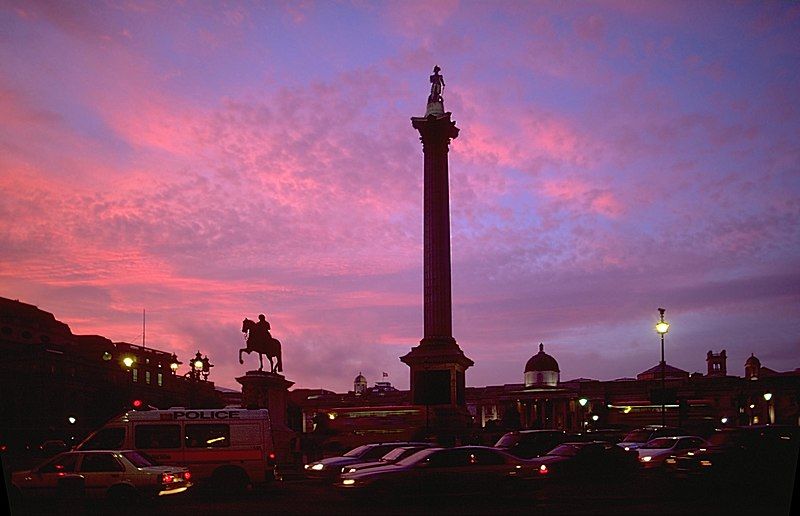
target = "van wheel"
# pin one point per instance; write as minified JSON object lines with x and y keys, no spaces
{"x":230,"y":480}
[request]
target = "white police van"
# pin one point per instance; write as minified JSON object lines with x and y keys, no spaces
{"x":227,"y":448}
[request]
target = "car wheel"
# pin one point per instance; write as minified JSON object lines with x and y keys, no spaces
{"x":123,"y":496}
{"x":15,"y":499}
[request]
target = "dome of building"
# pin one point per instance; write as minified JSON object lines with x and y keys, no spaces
{"x":360,"y":384}
{"x":752,"y":368}
{"x":753,"y":361}
{"x":541,"y":361}
{"x":541,"y":370}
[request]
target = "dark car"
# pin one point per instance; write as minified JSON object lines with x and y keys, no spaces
{"x":330,"y":468}
{"x":592,"y":459}
{"x":636,"y":438}
{"x":527,"y":444}
{"x":464,"y":470}
{"x":392,"y":457}
{"x":761,"y":453}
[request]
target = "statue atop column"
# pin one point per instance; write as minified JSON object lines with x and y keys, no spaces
{"x":437,"y":86}
{"x":260,"y":340}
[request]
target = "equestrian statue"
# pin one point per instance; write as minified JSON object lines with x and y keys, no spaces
{"x":260,"y":340}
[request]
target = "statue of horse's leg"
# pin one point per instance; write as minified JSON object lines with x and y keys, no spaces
{"x":260,"y":362}
{"x":280,"y":363}
{"x":240,"y":355}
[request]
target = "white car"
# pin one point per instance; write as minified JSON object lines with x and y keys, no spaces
{"x":653,"y":453}
{"x":122,"y":476}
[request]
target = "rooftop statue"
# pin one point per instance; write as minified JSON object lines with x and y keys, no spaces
{"x":260,"y":340}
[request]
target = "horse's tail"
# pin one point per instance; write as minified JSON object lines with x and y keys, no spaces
{"x":279,"y":365}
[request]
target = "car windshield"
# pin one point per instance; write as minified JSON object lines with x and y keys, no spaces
{"x":395,"y":454}
{"x":507,"y":441}
{"x":138,"y":459}
{"x":416,"y":457}
{"x":661,"y":443}
{"x":638,"y":436}
{"x":564,"y":450}
{"x":357,"y":452}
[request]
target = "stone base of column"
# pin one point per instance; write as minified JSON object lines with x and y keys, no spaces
{"x":437,"y":372}
{"x":261,"y":389}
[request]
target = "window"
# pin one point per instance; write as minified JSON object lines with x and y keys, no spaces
{"x":135,"y":373}
{"x":61,"y":464}
{"x":157,"y":436}
{"x":147,"y":377}
{"x":106,"y":439}
{"x":100,"y":463}
{"x":208,"y":436}
{"x":160,"y":378}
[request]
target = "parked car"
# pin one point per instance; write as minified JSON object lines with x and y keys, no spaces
{"x":330,"y":468}
{"x":653,"y":453}
{"x":392,"y":457}
{"x":640,"y":436}
{"x":592,"y":459}
{"x":527,"y":444}
{"x":764,"y":454}
{"x":461,"y":470}
{"x":121,"y":476}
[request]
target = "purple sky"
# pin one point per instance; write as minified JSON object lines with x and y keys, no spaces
{"x":211,"y":161}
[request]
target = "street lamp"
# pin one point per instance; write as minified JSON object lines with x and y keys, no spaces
{"x":662,"y":327}
{"x":770,"y":409}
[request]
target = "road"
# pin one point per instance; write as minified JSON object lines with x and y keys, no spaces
{"x":636,"y":496}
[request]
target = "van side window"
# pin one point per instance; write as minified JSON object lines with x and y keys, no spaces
{"x":106,"y":439}
{"x":157,"y":436}
{"x":208,"y":436}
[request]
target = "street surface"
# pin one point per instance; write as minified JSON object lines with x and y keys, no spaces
{"x":638,"y":496}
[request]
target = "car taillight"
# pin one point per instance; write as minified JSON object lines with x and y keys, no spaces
{"x":187,"y":475}
{"x":271,"y":456}
{"x":167,"y":478}
{"x":543,"y":470}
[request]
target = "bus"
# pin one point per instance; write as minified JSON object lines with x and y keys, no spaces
{"x":226,"y":448}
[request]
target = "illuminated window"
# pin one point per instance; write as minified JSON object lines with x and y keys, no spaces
{"x":160,"y":379}
{"x":147,"y":377}
{"x":135,"y":375}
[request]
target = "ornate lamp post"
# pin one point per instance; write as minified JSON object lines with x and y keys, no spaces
{"x":770,"y":409}
{"x":197,"y":366}
{"x":582,"y":402}
{"x":662,"y":327}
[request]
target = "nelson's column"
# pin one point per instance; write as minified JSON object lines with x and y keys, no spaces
{"x":437,"y":364}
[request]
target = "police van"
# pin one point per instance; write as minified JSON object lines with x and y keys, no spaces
{"x":227,"y":448}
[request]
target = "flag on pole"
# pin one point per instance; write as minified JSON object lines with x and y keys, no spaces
{"x":385,"y":374}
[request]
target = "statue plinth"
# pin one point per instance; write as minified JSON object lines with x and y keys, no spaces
{"x":261,"y":389}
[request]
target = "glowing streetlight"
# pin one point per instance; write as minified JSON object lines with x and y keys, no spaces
{"x":767,"y":396}
{"x":128,"y":361}
{"x":662,"y":327}
{"x":583,"y":402}
{"x":72,"y":420}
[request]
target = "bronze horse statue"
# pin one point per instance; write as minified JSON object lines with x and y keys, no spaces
{"x":262,"y":343}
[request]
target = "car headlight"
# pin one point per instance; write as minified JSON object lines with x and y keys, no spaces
{"x":646,"y":458}
{"x":348,"y":482}
{"x":670,"y":460}
{"x":317,"y":466}
{"x":705,"y":462}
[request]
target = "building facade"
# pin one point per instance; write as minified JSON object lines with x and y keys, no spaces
{"x":57,"y":385}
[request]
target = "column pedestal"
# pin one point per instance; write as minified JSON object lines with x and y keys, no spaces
{"x":270,"y":390}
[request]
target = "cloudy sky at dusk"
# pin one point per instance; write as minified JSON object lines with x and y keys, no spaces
{"x":210,"y":161}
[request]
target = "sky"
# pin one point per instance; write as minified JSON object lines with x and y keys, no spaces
{"x":210,"y":161}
